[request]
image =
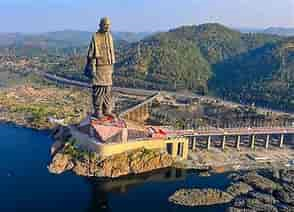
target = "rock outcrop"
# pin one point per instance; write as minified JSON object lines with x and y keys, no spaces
{"x":239,"y":188}
{"x":260,"y":183}
{"x":271,"y":191}
{"x":287,"y":176}
{"x":199,"y":197}
{"x":135,"y":162}
{"x":61,"y":163}
{"x":286,"y":194}
{"x":233,"y":209}
{"x":262,"y":197}
{"x":89,"y":164}
{"x":251,"y":204}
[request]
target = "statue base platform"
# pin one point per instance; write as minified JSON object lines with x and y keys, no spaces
{"x":112,"y":130}
{"x":105,"y":130}
{"x":108,"y":121}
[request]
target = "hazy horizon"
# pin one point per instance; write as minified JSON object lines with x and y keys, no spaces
{"x":149,"y":32}
{"x":28,"y":16}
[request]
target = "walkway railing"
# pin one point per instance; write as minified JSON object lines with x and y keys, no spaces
{"x":231,"y":131}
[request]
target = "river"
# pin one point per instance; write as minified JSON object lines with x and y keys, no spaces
{"x":26,"y":184}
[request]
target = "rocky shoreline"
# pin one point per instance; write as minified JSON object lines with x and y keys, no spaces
{"x":264,"y":190}
{"x":82,"y":163}
{"x":68,"y":156}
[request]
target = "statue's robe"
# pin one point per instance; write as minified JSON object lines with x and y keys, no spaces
{"x":101,"y":57}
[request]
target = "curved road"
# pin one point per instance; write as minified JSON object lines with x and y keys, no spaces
{"x":144,"y":92}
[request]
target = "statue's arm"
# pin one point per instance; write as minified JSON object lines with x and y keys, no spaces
{"x":91,"y":60}
{"x":91,"y":50}
{"x":112,"y":49}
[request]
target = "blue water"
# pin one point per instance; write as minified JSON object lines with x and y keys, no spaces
{"x":26,"y":184}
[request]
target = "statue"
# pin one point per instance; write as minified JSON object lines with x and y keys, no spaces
{"x":100,"y":65}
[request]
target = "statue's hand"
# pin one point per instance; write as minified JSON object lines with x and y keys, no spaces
{"x":88,"y":71}
{"x":93,"y":66}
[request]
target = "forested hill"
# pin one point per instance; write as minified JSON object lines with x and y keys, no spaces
{"x":259,"y":76}
{"x":185,"y":57}
{"x":212,"y":58}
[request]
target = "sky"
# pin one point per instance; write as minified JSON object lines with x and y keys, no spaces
{"x":141,"y":15}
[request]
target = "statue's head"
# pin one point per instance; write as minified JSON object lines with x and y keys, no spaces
{"x":105,"y":24}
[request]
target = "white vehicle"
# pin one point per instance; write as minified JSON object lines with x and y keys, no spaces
{"x":290,"y":163}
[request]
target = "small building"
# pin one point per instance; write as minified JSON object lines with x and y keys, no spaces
{"x":107,"y":140}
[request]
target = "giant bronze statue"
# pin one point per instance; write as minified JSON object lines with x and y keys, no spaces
{"x":100,"y":65}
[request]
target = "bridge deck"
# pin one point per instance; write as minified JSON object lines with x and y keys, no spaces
{"x":232,"y":132}
{"x":141,"y":104}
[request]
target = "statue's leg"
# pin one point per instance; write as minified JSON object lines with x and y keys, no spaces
{"x":107,"y":103}
{"x":98,"y":98}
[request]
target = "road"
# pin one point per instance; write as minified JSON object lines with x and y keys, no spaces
{"x":144,"y":92}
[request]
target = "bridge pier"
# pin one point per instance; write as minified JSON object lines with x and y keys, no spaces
{"x":253,"y":137}
{"x":180,"y":149}
{"x":191,"y":143}
{"x":194,"y":142}
{"x":238,"y":142}
{"x":224,"y":142}
{"x":282,"y":141}
{"x":253,"y":142}
{"x":267,"y":141}
{"x":208,"y":142}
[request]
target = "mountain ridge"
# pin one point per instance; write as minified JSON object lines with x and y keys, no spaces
{"x":281,"y":31}
{"x":71,"y":37}
{"x":207,"y":58}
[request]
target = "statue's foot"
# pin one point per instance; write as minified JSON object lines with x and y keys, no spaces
{"x":109,"y":114}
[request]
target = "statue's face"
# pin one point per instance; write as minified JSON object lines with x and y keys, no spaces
{"x":105,"y":27}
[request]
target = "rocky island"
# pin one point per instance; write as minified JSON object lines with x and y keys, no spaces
{"x":251,"y":191}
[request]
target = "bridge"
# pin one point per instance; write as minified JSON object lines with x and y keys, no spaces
{"x":139,"y":112}
{"x":63,"y":80}
{"x":266,"y":135}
